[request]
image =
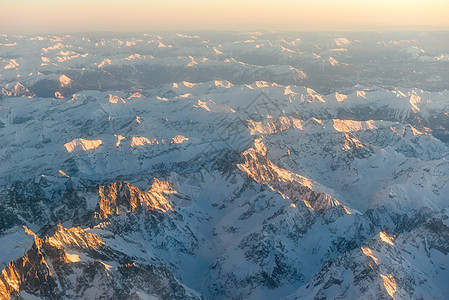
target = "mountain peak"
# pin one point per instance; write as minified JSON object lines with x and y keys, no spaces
{"x":64,"y":80}
{"x":122,"y":197}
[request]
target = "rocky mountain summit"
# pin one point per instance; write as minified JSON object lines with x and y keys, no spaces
{"x":197,"y":167}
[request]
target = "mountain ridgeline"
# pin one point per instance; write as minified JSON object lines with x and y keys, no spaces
{"x":260,"y":165}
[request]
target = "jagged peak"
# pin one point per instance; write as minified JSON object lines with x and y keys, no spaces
{"x":37,"y":268}
{"x":29,"y":231}
{"x":310,"y":96}
{"x":82,"y":144}
{"x":273,"y":125}
{"x":384,"y":237}
{"x":211,"y":106}
{"x":64,"y":80}
{"x":407,"y":130}
{"x":135,"y":95}
{"x":260,"y":147}
{"x":351,"y":142}
{"x":162,"y":187}
{"x":139,"y":141}
{"x":115,"y":99}
{"x":178,"y":139}
{"x":74,"y":237}
{"x":350,"y":125}
{"x":342,"y":41}
{"x":16,"y":90}
{"x":223,"y":83}
{"x":361,"y":94}
{"x":291,"y":185}
{"x":389,"y":284}
{"x":31,"y":268}
{"x":340,"y":97}
{"x":122,"y":197}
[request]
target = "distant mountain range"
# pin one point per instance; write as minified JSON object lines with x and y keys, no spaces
{"x":224,"y":166}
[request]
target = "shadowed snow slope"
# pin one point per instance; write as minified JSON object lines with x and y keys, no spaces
{"x":252,"y":165}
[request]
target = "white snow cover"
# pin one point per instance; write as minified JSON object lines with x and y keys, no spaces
{"x":82,"y":144}
{"x":253,"y":165}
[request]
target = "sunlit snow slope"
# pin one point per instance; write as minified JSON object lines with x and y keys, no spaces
{"x":224,"y":166}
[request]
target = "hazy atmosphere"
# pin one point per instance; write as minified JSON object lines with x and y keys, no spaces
{"x":51,"y":16}
{"x":221,"y":150}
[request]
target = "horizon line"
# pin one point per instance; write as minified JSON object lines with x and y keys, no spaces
{"x":364,"y":30}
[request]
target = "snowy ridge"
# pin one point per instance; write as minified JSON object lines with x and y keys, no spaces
{"x":257,"y":165}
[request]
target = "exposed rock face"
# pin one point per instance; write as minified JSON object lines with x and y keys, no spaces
{"x":15,"y":90}
{"x":53,"y":269}
{"x":234,"y":166}
{"x":75,"y":238}
{"x":291,"y":185}
{"x":384,"y":270}
{"x":30,"y":272}
{"x":123,"y":196}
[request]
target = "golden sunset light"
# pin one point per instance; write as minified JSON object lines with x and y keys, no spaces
{"x":224,"y":150}
{"x":85,"y":15}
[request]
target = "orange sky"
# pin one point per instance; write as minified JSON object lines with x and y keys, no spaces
{"x":38,"y":16}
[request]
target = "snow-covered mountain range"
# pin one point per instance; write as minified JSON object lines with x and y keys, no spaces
{"x":224,"y":166}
